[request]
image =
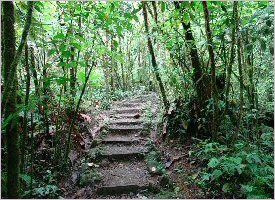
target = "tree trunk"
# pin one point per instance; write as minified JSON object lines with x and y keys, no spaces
{"x":11,"y":59}
{"x":214,"y":93}
{"x":72,"y":74}
{"x":45,"y":94}
{"x":113,"y":82}
{"x":122,"y":68}
{"x":35,"y":81}
{"x":240,"y":75}
{"x":200,"y":80}
{"x":229,"y":70}
{"x":202,"y":92}
{"x":251,"y":88}
{"x":68,"y":145}
{"x":155,"y":11}
{"x":154,"y":62}
{"x":25,"y":120}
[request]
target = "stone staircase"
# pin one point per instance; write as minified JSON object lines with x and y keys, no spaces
{"x":123,"y":147}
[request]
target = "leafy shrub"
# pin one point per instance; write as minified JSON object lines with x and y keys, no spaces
{"x":177,"y":120}
{"x":153,"y":160}
{"x":45,"y":189}
{"x":244,"y":171}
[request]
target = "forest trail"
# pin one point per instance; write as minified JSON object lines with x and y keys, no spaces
{"x":121,"y":148}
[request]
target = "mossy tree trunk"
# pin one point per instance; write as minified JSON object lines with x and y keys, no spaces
{"x":10,"y":100}
{"x":201,"y":84}
{"x":11,"y":57}
{"x":231,"y":62}
{"x":214,"y":92}
{"x":25,"y":121}
{"x":200,"y":80}
{"x":35,"y":80}
{"x":240,"y":69}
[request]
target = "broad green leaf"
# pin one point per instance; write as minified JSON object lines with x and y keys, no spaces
{"x":62,"y":80}
{"x":59,"y":36}
{"x":135,"y":18}
{"x":77,"y":45}
{"x":72,"y":64}
{"x":80,"y":38}
{"x":66,"y":54}
{"x":82,"y":63}
{"x":62,"y":64}
{"x":37,"y":7}
{"x":119,"y":30}
{"x":128,"y":15}
{"x":163,"y":5}
{"x":216,"y":174}
{"x":51,"y":52}
{"x":226,"y":187}
{"x":81,"y":77}
{"x":115,"y":43}
{"x":186,"y":18}
{"x":26,"y":178}
{"x":206,"y":177}
{"x":214,"y":162}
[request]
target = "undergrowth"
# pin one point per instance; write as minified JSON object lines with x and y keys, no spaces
{"x":241,"y":170}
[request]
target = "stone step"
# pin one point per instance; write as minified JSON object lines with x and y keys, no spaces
{"x":120,"y":138}
{"x":127,"y":110}
{"x":125,"y":129}
{"x":138,"y":100}
{"x":124,"y":122}
{"x":124,"y":177}
{"x":121,"y":151}
{"x":126,"y":116}
{"x":127,"y":105}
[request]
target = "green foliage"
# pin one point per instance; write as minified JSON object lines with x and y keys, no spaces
{"x":167,"y":195}
{"x":153,"y":160}
{"x":67,"y":37}
{"x":89,"y":177}
{"x":177,"y":120}
{"x":244,"y":171}
{"x":48,"y":191}
{"x":47,"y":188}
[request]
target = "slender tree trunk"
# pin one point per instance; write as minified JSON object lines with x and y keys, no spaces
{"x":35,"y":81}
{"x":11,"y":59}
{"x":240,"y":75}
{"x":154,"y":62}
{"x":214,"y":93}
{"x":25,"y":121}
{"x":231,"y":62}
{"x":155,"y":11}
{"x":113,"y":65}
{"x":45,"y":94}
{"x":251,"y":88}
{"x":68,"y":145}
{"x":122,"y":68}
{"x":72,"y":74}
{"x":32,"y":152}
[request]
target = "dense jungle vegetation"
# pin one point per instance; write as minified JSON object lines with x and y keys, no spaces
{"x":211,"y":64}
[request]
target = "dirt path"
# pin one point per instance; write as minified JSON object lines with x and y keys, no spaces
{"x":115,"y":165}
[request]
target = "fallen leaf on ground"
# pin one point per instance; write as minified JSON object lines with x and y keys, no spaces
{"x":73,"y":156}
{"x":86,"y":118}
